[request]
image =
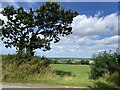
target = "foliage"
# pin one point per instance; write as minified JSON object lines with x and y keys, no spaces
{"x":86,"y":62}
{"x":69,"y":61}
{"x":106,"y":63}
{"x":33,"y":29}
{"x":107,"y":81}
{"x":19,"y":69}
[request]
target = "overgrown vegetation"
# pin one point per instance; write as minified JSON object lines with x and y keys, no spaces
{"x":39,"y":70}
{"x":107,"y":66}
{"x":18,"y":69}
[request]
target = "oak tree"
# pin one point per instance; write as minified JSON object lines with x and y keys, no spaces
{"x":33,"y":29}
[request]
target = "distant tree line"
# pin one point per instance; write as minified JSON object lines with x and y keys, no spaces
{"x":71,"y":61}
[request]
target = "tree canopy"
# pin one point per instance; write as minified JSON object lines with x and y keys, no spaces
{"x":35,"y":29}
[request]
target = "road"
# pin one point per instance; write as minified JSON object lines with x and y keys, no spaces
{"x":29,"y":86}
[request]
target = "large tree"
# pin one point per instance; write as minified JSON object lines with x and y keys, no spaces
{"x":35,"y":29}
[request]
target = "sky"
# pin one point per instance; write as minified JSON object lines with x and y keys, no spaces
{"x":95,"y":29}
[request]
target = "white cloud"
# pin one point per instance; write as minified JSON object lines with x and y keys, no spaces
{"x":1,"y":9}
{"x":110,"y":40}
{"x":60,"y":47}
{"x":3,"y":18}
{"x":90,"y":35}
{"x":86,"y":26}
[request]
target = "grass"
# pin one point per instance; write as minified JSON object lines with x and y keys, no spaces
{"x":65,"y":75}
{"x":79,"y":74}
{"x":62,"y":75}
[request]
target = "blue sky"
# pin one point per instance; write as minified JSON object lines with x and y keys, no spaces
{"x":89,"y":8}
{"x":95,"y":29}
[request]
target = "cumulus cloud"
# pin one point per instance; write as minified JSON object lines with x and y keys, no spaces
{"x":110,"y":40}
{"x":90,"y":35}
{"x":86,"y":26}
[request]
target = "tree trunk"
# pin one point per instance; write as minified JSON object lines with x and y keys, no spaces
{"x":30,"y":51}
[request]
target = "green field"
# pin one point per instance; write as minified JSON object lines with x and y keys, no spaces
{"x":72,"y":75}
{"x":65,"y":75}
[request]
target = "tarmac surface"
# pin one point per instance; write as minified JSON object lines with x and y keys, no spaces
{"x":29,"y":86}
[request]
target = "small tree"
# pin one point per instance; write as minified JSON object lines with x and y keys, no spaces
{"x":35,"y":29}
{"x":69,"y":61}
{"x":86,"y":62}
{"x":105,"y":62}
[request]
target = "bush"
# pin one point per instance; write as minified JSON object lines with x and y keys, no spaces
{"x":69,"y":61}
{"x":19,"y":69}
{"x":107,"y":81}
{"x":106,"y":63}
{"x":85,"y":62}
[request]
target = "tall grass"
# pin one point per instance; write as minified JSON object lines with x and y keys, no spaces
{"x":19,"y":70}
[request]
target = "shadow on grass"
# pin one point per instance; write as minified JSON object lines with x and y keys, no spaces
{"x":63,"y":73}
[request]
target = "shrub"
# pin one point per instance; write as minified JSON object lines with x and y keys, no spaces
{"x":69,"y":61}
{"x":86,"y":62}
{"x":19,"y":69}
{"x":106,"y":63}
{"x":56,"y":62}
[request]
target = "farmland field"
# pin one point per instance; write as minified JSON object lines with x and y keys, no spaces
{"x":66,"y":75}
{"x":72,"y":75}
